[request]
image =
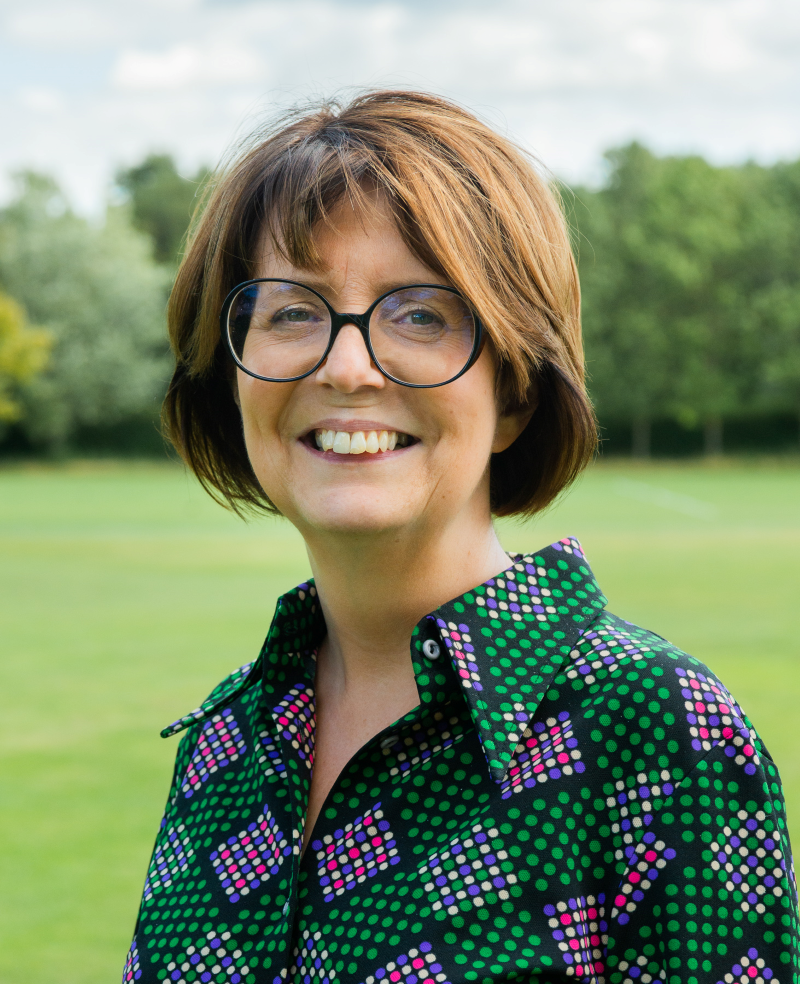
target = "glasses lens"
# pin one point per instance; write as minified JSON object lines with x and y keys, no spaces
{"x":422,"y":335}
{"x":278,"y":330}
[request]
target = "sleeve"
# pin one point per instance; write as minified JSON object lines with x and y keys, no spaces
{"x":183,"y":757}
{"x":707,"y":892}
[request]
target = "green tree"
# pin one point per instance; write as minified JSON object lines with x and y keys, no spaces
{"x":162,"y":202}
{"x":665,"y":300}
{"x":23,"y":353}
{"x":772,"y":271}
{"x":100,"y":296}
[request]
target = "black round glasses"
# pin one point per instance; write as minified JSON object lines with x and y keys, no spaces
{"x":422,"y":335}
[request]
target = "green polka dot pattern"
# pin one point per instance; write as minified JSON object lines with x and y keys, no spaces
{"x":573,"y":799}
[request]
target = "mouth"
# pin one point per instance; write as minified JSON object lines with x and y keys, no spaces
{"x":358,"y":441}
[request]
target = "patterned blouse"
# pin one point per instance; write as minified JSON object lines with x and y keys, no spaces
{"x":573,"y":799}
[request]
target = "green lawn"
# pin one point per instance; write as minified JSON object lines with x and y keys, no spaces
{"x":127,"y":594}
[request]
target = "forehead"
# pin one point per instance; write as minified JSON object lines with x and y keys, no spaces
{"x":357,"y":244}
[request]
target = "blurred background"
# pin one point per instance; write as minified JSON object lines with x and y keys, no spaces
{"x":673,"y":133}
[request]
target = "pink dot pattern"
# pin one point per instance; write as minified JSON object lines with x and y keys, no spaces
{"x":581,"y":932}
{"x":228,"y":689}
{"x":645,"y":861}
{"x":448,"y":835}
{"x":356,"y":852}
{"x":456,"y":636}
{"x":714,"y":716}
{"x":751,"y":969}
{"x":548,"y":750}
{"x":246,"y":861}
{"x":133,"y":970}
{"x":220,"y":744}
{"x":295,"y":716}
{"x":418,"y":966}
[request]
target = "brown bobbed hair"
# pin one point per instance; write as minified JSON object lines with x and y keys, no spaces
{"x":471,"y":206}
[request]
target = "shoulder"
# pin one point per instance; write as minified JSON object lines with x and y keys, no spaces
{"x":233,"y":684}
{"x":649,"y":700}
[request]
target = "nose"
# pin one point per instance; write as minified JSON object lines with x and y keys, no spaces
{"x":348,"y":366}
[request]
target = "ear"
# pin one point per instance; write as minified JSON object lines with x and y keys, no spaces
{"x":510,"y":426}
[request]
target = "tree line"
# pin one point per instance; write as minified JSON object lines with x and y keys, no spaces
{"x":689,"y":273}
{"x":690,"y":279}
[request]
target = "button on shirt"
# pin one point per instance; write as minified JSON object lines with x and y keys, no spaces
{"x":573,"y":798}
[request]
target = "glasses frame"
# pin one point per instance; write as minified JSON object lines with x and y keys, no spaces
{"x":338,"y":321}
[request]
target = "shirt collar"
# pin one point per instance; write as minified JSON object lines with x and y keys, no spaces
{"x":506,"y":638}
{"x":509,"y":637}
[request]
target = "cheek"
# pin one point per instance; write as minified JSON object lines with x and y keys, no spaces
{"x":469,"y":428}
{"x":474,"y":409}
{"x":261,"y":405}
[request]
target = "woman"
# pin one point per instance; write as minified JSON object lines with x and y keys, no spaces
{"x":447,"y":763}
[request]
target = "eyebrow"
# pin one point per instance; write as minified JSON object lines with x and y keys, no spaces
{"x":324,"y":287}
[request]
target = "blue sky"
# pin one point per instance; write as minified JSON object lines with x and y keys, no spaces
{"x":88,"y":85}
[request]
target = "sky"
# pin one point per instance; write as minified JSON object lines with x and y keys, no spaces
{"x":88,"y":86}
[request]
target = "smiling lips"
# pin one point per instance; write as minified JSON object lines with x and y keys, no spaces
{"x":358,"y":442}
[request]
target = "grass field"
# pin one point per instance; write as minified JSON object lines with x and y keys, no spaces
{"x":125,"y":595}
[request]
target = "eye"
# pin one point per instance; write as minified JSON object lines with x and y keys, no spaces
{"x":293,"y":315}
{"x":422,"y":318}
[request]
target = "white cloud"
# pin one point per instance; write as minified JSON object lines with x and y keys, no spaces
{"x":569,"y":79}
{"x":184,"y":65}
{"x":41,"y":99}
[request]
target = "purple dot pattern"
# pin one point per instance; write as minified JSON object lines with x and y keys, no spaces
{"x":229,"y":687}
{"x":269,"y":756}
{"x":220,"y":744}
{"x":214,"y":956}
{"x":246,"y":861}
{"x":419,"y":744}
{"x":643,"y":795}
{"x":751,"y":871}
{"x":170,"y":859}
{"x":714,"y":715}
{"x":295,"y":716}
{"x":418,"y":966}
{"x":548,"y":750}
{"x":469,"y":870}
{"x":751,"y":969}
{"x":309,"y":962}
{"x":604,"y":648}
{"x":645,"y":861}
{"x":132,"y":971}
{"x":573,"y":798}
{"x":357,"y":852}
{"x":525,"y":598}
{"x":581,"y":933}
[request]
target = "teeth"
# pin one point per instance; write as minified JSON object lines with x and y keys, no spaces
{"x":358,"y":443}
{"x":343,"y":442}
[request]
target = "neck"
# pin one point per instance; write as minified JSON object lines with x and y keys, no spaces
{"x":375,"y":588}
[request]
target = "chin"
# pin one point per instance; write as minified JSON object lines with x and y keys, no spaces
{"x":364,"y":514}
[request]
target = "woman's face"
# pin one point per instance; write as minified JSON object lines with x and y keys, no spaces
{"x":438,"y":471}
